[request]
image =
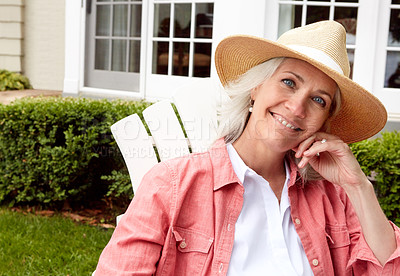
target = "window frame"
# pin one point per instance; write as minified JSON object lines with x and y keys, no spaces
{"x":163,"y":86}
{"x":389,"y":96}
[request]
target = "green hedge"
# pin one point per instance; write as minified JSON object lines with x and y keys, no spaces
{"x":54,"y":150}
{"x":380,"y":158}
{"x":13,"y":81}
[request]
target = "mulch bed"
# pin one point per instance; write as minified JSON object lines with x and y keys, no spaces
{"x":101,"y":215}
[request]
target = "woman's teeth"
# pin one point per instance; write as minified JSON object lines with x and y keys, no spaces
{"x":286,"y":124}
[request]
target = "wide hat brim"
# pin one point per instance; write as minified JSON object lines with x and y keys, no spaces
{"x":361,"y":115}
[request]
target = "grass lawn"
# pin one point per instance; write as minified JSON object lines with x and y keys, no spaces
{"x":38,"y":245}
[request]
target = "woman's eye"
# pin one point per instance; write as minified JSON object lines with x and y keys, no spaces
{"x":288,"y":82}
{"x":320,"y":101}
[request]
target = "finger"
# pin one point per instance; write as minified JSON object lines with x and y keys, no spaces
{"x":305,"y":160}
{"x":317,"y":148}
{"x":307,"y":143}
{"x":304,"y":145}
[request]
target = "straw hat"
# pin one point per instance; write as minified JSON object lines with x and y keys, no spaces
{"x":322,"y":44}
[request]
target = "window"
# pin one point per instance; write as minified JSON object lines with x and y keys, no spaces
{"x":392,"y":72}
{"x":113,"y":44}
{"x":182,"y":46}
{"x":301,"y":12}
{"x":117,"y":38}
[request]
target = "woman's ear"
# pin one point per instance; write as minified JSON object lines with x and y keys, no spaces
{"x":254,"y":92}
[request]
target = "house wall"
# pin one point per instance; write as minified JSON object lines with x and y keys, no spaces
{"x":44,"y":43}
{"x":11,"y":34}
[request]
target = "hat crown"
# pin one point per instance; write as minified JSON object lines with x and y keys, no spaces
{"x":328,"y":37}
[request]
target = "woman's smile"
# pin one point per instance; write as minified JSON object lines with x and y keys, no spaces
{"x":286,"y":122}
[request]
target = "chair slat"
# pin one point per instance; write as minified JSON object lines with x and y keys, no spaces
{"x":136,"y":147}
{"x":166,"y":131}
{"x":196,"y":105}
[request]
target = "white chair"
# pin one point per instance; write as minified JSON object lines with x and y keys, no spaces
{"x":197,"y":108}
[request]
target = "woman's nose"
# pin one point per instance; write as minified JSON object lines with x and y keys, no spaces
{"x":297,"y":105}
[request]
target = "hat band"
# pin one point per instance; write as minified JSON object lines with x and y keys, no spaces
{"x":317,"y":55}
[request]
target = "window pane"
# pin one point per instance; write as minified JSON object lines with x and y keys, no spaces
{"x":118,"y":55}
{"x":204,"y":20}
{"x":350,"y":54}
{"x":134,"y":56}
{"x":161,"y":20}
{"x":102,"y":50}
{"x":120,"y":20}
{"x":136,"y":20}
{"x":202,"y":60}
{"x":315,"y":13}
{"x":182,"y":20}
{"x":320,"y":0}
{"x":394,"y":28}
{"x":103,"y":20}
{"x":348,"y":18}
{"x":392,"y":74}
{"x":395,"y":1}
{"x":160,"y":58}
{"x":181,"y":59}
{"x":289,"y":18}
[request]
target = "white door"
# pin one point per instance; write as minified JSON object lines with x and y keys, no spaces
{"x":113,"y":44}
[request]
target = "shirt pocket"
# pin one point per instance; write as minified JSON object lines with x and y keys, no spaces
{"x":192,"y":249}
{"x":337,"y":236}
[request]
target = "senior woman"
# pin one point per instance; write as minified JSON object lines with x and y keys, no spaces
{"x":280,"y":192}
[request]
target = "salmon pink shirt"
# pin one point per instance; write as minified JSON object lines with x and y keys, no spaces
{"x":182,"y":222}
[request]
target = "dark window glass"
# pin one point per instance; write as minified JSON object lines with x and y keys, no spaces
{"x":202,"y":60}
{"x":160,"y":58}
{"x":181,"y":59}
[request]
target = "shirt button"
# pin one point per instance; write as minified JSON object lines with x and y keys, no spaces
{"x":221,"y":267}
{"x":297,"y":221}
{"x":315,"y":262}
{"x":183,"y":244}
{"x":229,"y":227}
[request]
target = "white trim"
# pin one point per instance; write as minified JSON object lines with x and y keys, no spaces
{"x":365,"y":57}
{"x":317,"y":55}
{"x":394,"y":117}
{"x":108,"y":93}
{"x":73,"y":27}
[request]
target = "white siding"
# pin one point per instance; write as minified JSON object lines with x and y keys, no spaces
{"x":44,"y":43}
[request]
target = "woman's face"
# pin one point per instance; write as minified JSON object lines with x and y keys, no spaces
{"x":292,"y":105}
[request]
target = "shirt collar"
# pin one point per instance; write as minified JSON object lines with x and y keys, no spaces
{"x":224,"y":173}
{"x":241,"y":168}
{"x":222,"y":167}
{"x":238,"y":165}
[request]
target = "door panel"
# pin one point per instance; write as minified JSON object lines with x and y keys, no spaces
{"x":113,"y":45}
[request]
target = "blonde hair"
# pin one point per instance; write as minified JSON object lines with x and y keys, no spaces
{"x":234,"y":113}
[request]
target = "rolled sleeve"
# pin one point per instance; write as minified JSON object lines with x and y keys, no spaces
{"x":364,"y":262}
{"x":137,"y":241}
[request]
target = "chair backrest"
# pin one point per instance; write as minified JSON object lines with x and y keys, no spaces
{"x":197,"y":108}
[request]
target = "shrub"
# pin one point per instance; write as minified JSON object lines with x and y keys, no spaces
{"x":57,"y":149}
{"x":13,"y":81}
{"x":380,"y":158}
